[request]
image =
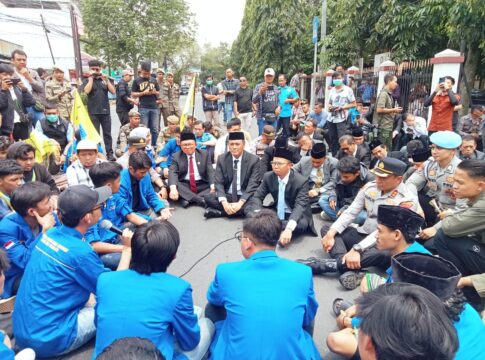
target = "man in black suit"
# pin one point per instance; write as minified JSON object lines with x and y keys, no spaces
{"x":312,"y":131}
{"x":280,"y":142}
{"x":191,"y":175}
{"x":290,"y":194}
{"x":237,"y":178}
{"x":348,"y":147}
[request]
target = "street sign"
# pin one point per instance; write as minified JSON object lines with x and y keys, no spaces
{"x":315,"y":29}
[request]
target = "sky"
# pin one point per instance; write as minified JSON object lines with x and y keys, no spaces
{"x":218,"y":20}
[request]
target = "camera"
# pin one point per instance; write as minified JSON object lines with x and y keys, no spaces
{"x":15,"y":81}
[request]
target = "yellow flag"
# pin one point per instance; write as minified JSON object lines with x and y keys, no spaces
{"x":80,"y":118}
{"x":189,"y":103}
{"x":43,"y":146}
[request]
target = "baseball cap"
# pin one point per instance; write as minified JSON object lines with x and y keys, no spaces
{"x":77,"y":200}
{"x":126,"y":72}
{"x":86,"y":145}
{"x":269,"y":131}
{"x":389,"y":166}
{"x":269,"y":71}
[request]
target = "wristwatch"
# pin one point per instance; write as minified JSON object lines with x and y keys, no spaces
{"x":358,"y":248}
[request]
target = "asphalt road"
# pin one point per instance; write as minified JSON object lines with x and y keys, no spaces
{"x":199,"y":236}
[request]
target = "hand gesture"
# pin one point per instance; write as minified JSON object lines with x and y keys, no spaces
{"x":312,"y":193}
{"x":228,"y":208}
{"x":352,"y":260}
{"x":165,"y":214}
{"x":163,"y":193}
{"x":333,"y":204}
{"x":126,"y":237}
{"x":174,"y":195}
{"x":46,"y":222}
{"x":263,"y":88}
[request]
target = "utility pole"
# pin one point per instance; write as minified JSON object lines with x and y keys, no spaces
{"x":75,"y":40}
{"x":47,"y":37}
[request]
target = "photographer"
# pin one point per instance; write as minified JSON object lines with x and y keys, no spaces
{"x":15,"y":98}
{"x":96,"y":87}
{"x":340,"y":99}
{"x":266,"y":98}
{"x":442,"y":101}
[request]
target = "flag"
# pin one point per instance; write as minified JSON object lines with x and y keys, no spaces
{"x":43,"y":146}
{"x":189,"y":103}
{"x":80,"y":118}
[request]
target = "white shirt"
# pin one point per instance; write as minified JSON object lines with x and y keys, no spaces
{"x":239,"y":192}
{"x":292,"y":223}
{"x":24,"y":80}
{"x":196,"y":170}
{"x":221,"y":146}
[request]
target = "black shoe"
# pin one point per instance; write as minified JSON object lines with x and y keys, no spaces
{"x":320,"y":266}
{"x":212,"y":213}
{"x":199,"y":202}
{"x":184,"y":203}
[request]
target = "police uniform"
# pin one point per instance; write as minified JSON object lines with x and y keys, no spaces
{"x":121,"y":145}
{"x":170,"y":96}
{"x":434,"y":182}
{"x":52,"y":90}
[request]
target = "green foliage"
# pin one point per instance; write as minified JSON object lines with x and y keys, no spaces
{"x":275,"y":34}
{"x":124,"y":32}
{"x":215,"y":60}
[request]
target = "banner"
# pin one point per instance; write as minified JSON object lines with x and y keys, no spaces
{"x":189,"y":103}
{"x":80,"y":118}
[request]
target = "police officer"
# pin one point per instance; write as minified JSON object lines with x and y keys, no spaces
{"x":169,"y":96}
{"x":434,"y":181}
{"x":134,"y":122}
{"x":344,"y":242}
{"x":58,"y":91}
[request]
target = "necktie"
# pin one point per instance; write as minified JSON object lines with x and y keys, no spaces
{"x":234,"y":181}
{"x":281,"y":201}
{"x":319,"y":179}
{"x":193,"y":185}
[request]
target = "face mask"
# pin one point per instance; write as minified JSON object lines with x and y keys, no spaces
{"x":209,"y":82}
{"x":338,"y":82}
{"x":52,"y":118}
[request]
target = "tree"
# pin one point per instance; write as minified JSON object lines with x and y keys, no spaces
{"x":275,"y":34}
{"x":125,"y":32}
{"x":215,"y":60}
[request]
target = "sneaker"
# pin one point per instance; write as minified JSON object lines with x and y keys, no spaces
{"x":351,"y":279}
{"x":325,"y":217}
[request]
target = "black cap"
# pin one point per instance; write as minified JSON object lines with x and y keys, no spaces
{"x":421,"y":155}
{"x":236,"y":135}
{"x":375,"y":143}
{"x":431,"y":272}
{"x":400,"y":218}
{"x":318,"y":151}
{"x":137,"y":141}
{"x":77,"y":200}
{"x":281,"y":142}
{"x":357,"y":132}
{"x":283,"y":153}
{"x":185,"y":135}
{"x":389,"y":166}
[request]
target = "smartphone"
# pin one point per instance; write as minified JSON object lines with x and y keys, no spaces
{"x":271,"y":87}
{"x":15,"y":81}
{"x":441,"y":80}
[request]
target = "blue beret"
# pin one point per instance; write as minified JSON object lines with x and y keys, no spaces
{"x":446,"y":139}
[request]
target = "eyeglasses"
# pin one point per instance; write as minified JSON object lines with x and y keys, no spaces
{"x":100,"y":207}
{"x":278,"y":163}
{"x":187,"y":145}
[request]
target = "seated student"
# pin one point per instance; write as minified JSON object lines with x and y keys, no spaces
{"x":5,"y":142}
{"x":70,"y":152}
{"x":378,"y":151}
{"x":396,"y":232}
{"x":54,"y":127}
{"x":87,"y":155}
{"x":468,"y":149}
{"x":131,"y":348}
{"x":202,"y":138}
{"x":6,"y":352}
{"x":349,"y":148}
{"x":289,"y":190}
{"x":321,"y":172}
{"x":169,"y":316}
{"x":352,"y":176}
{"x":263,"y":141}
{"x":136,"y":194}
{"x":134,"y":122}
{"x":237,"y":178}
{"x":19,"y":230}
{"x":52,"y":314}
{"x":11,"y":175}
{"x":392,"y":325}
{"x":348,"y":247}
{"x":461,"y":235}
{"x":280,"y":289}
{"x":191,"y":174}
{"x":24,"y":155}
{"x":166,"y":154}
{"x":104,"y":241}
{"x":168,"y":133}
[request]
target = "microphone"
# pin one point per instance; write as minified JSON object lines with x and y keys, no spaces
{"x":108,"y":225}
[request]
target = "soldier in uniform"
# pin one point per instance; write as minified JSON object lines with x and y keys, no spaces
{"x":169,"y":97}
{"x":263,"y":141}
{"x":348,"y":246}
{"x":321,"y":172}
{"x":58,"y":91}
{"x":167,"y":133}
{"x":434,"y":181}
{"x":134,"y":122}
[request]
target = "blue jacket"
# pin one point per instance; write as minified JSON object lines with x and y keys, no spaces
{"x":164,"y":311}
{"x":268,"y":302}
{"x":168,"y":150}
{"x":111,"y":212}
{"x":61,"y":273}
{"x":5,"y":352}
{"x":148,"y":197}
{"x":18,"y":241}
{"x":471,"y":335}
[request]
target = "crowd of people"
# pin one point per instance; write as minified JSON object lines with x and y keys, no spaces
{"x":402,"y":204}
